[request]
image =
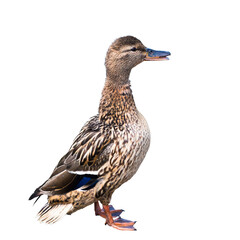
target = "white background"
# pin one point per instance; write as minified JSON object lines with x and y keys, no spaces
{"x":52,"y":73}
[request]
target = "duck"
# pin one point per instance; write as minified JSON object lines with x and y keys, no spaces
{"x":109,"y":148}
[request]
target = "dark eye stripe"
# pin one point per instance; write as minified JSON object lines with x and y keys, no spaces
{"x":133,"y":49}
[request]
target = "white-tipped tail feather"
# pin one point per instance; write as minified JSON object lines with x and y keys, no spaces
{"x":52,"y":213}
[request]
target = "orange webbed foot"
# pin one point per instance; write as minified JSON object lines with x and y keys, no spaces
{"x":113,"y":218}
{"x":122,"y":224}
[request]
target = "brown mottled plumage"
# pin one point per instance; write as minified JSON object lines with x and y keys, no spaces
{"x":110,"y":147}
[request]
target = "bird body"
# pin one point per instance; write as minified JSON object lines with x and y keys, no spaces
{"x":108,"y":150}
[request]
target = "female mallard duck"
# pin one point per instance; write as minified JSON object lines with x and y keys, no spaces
{"x":110,"y":147}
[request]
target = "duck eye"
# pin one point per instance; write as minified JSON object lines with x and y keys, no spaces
{"x":134,"y":49}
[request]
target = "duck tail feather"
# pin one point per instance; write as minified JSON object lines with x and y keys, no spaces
{"x":52,"y":213}
{"x":37,"y":193}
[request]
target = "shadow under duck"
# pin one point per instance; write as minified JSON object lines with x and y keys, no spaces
{"x":109,"y":148}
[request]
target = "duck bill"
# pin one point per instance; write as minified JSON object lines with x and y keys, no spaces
{"x":153,"y":55}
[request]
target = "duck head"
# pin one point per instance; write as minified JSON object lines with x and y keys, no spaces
{"x":126,"y":53}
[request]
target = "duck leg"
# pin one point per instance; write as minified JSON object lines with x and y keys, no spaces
{"x":118,"y":223}
{"x":100,"y":212}
{"x":113,"y":218}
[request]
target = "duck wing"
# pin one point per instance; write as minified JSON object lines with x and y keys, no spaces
{"x":79,"y":167}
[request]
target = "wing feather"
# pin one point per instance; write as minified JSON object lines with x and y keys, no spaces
{"x":88,"y":152}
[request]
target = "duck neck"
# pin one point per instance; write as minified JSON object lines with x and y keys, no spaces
{"x":117,"y":104}
{"x":118,"y":76}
